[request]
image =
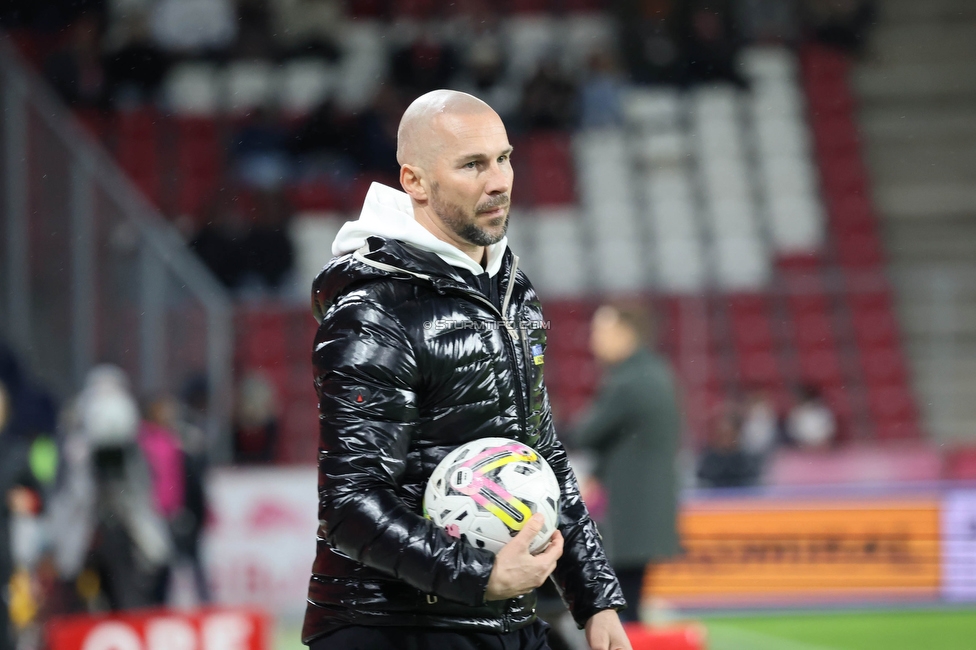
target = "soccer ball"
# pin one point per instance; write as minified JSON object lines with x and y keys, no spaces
{"x":484,"y":491}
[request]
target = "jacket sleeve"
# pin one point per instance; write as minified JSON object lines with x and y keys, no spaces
{"x":366,"y":376}
{"x":583,"y":573}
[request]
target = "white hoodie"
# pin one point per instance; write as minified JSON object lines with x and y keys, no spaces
{"x":388,"y":213}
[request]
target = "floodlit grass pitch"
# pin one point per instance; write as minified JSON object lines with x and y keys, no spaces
{"x":859,"y":630}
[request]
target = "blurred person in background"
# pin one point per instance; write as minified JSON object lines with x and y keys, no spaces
{"x":841,"y":23}
{"x":548,"y":98}
{"x":189,"y":524}
{"x":160,"y":443}
{"x":600,"y":96}
{"x":634,"y":427}
{"x":810,"y":423}
{"x":255,"y":420}
{"x":760,"y":431}
{"x":18,"y":495}
{"x":106,"y":531}
{"x":723,"y":463}
{"x":76,"y":69}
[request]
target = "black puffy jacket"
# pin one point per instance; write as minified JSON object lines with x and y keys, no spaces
{"x":409,"y":363}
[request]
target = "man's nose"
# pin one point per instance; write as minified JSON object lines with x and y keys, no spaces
{"x":499,"y":179}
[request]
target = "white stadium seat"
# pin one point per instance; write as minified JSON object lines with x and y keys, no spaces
{"x":192,"y":89}
{"x":796,"y":224}
{"x":312,"y":234}
{"x":561,"y":268}
{"x":306,"y":83}
{"x":653,"y":108}
{"x":740,"y":263}
{"x":679,"y":265}
{"x":769,"y":62}
{"x":250,"y":85}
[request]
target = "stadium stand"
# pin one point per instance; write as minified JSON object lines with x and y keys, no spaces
{"x":739,"y":206}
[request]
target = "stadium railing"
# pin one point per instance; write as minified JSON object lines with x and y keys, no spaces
{"x":90,"y":272}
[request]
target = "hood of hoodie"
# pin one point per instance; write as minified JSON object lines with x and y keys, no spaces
{"x":388,"y":213}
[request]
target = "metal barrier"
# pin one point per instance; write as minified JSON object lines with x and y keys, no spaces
{"x":90,"y":272}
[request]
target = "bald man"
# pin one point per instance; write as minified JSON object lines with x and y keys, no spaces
{"x":430,"y":337}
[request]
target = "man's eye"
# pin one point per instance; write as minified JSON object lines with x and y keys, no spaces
{"x":471,"y":165}
{"x":503,"y":158}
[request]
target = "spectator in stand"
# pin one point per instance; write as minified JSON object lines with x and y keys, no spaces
{"x":711,"y":47}
{"x":378,"y":132}
{"x":118,"y":543}
{"x":189,"y":524}
{"x":259,"y":151}
{"x":811,"y":424}
{"x":548,"y":98}
{"x":481,"y":51}
{"x":267,"y":250}
{"x":424,"y":65}
{"x":218,"y":241}
{"x":723,"y":463}
{"x":634,"y":427}
{"x":255,"y":421}
{"x":600,"y":94}
{"x":308,"y":27}
{"x":647,"y":36}
{"x":76,"y":69}
{"x":841,"y":23}
{"x":254,"y":38}
{"x":322,"y":146}
{"x":760,"y":425}
{"x":136,"y":69}
{"x":194,"y":26}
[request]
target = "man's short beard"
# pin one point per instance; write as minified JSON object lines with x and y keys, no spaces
{"x":455,"y":218}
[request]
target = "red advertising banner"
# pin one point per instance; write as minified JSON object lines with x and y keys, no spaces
{"x":208,"y":629}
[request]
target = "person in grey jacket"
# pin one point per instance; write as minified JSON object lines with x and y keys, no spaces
{"x":634,"y":427}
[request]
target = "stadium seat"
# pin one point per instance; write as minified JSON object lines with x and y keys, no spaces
{"x":250,"y":85}
{"x":768,"y":62}
{"x":192,"y":89}
{"x":859,"y":251}
{"x":531,"y":40}
{"x":883,"y":366}
{"x":680,"y":264}
{"x":652,"y":108}
{"x":796,"y":223}
{"x":561,"y":256}
{"x":198,"y":163}
{"x":741,"y":262}
{"x":813,"y":331}
{"x":759,"y":368}
{"x":306,"y":83}
{"x":874,"y":328}
{"x":820,"y":367}
{"x":781,"y":136}
{"x":960,"y":464}
{"x":549,"y":163}
{"x":137,"y":149}
{"x":312,"y":234}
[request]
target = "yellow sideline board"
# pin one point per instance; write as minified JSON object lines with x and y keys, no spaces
{"x":760,"y":551}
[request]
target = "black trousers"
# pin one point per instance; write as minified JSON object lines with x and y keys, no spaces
{"x":357,"y":637}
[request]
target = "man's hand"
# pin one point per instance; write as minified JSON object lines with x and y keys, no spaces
{"x":518,"y":572}
{"x":604,"y":632}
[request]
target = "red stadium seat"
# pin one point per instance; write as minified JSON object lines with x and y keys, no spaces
{"x":960,"y":464}
{"x":759,"y":369}
{"x":891,"y":403}
{"x":751,"y":332}
{"x":860,"y":251}
{"x":820,"y":367}
{"x":883,"y":366}
{"x":812,"y":330}
{"x":874,"y":328}
{"x":136,"y":148}
{"x":548,"y":164}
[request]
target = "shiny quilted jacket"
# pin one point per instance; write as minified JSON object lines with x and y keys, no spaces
{"x":409,"y":363}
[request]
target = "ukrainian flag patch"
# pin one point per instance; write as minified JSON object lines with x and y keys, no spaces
{"x":537,"y":357}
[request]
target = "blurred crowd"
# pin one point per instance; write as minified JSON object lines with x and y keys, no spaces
{"x":744,"y":433}
{"x":114,"y":55}
{"x":104,"y":498}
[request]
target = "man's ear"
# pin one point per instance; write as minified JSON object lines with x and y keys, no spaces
{"x":411,"y":179}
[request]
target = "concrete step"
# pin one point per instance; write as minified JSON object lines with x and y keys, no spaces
{"x":915,"y":11}
{"x":929,"y":249}
{"x":911,"y":123}
{"x":925,"y":200}
{"x":875,"y":83}
{"x":934,"y":43}
{"x":923,"y":161}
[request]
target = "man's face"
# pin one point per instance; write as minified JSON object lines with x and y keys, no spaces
{"x":471,"y":177}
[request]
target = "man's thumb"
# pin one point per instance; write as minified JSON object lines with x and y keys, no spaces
{"x":531,"y":529}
